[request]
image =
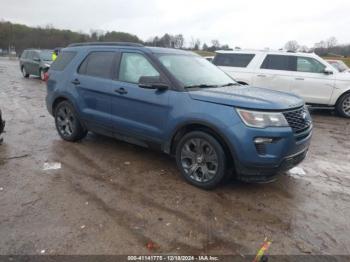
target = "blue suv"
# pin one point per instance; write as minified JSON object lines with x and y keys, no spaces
{"x":180,"y":103}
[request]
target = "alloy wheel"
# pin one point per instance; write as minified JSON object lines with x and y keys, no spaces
{"x":199,"y":160}
{"x":346,"y":105}
{"x":65,"y":121}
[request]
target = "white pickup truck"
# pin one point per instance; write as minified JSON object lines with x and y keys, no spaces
{"x":304,"y":74}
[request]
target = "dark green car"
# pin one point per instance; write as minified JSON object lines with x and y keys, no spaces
{"x":2,"y":126}
{"x":35,"y":62}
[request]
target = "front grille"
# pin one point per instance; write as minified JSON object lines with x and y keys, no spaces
{"x":299,"y":120}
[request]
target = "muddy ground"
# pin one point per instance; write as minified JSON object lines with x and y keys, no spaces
{"x":110,"y":197}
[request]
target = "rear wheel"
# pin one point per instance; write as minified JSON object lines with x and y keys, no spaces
{"x":201,"y":159}
{"x":67,"y":122}
{"x":24,"y":72}
{"x":343,"y":105}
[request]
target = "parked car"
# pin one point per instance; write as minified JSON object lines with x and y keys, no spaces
{"x":2,"y":126}
{"x":35,"y":62}
{"x":339,"y":65}
{"x":303,"y":74}
{"x":180,"y":103}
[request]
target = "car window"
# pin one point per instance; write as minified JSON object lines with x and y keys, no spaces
{"x":234,"y":60}
{"x":36,"y":55}
{"x":192,"y":70}
{"x":133,"y":66}
{"x":29,"y":55}
{"x":309,"y":65}
{"x":98,"y":64}
{"x":46,"y":55}
{"x":279,"y":62}
{"x":63,"y":59}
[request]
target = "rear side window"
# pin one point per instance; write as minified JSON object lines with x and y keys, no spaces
{"x":279,"y":62}
{"x":98,"y":64}
{"x":63,"y":59}
{"x":233,"y":60}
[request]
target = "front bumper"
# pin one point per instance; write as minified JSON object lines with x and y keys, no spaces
{"x":266,"y":174}
{"x":287,"y":151}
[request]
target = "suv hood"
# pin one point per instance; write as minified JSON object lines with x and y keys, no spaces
{"x":248,"y":97}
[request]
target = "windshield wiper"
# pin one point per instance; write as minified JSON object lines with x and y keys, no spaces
{"x":232,"y":84}
{"x":201,"y":86}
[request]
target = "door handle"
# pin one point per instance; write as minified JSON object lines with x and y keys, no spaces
{"x":299,"y":78}
{"x":261,"y":75}
{"x":75,"y":82}
{"x":121,"y":91}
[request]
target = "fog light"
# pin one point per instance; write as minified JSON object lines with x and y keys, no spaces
{"x":263,"y":140}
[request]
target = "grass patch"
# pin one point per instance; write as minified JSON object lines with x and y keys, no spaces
{"x":204,"y":53}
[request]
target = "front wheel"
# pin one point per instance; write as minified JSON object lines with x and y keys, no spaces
{"x":67,"y":122}
{"x":24,"y":72}
{"x":343,"y":105}
{"x":201,"y":159}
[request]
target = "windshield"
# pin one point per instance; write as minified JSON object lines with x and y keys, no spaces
{"x":193,"y":71}
{"x":340,"y":65}
{"x":46,"y":55}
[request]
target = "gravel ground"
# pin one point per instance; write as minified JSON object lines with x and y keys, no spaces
{"x":110,"y":197}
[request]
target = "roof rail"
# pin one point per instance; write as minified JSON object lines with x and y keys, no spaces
{"x":106,"y":43}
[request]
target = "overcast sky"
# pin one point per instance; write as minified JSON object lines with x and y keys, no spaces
{"x":244,"y":23}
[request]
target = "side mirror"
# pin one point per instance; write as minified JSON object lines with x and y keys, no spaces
{"x":152,"y":82}
{"x":328,"y":71}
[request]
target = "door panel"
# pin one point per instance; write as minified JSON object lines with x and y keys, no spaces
{"x":94,"y":86}
{"x":314,"y":88}
{"x":95,"y":99}
{"x":34,"y":65}
{"x":273,"y":79}
{"x":311,"y":83}
{"x":275,"y":72}
{"x":138,"y":112}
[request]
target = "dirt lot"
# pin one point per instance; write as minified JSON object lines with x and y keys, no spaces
{"x":110,"y":197}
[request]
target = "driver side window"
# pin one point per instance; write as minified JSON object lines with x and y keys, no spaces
{"x":133,"y":66}
{"x":309,"y":65}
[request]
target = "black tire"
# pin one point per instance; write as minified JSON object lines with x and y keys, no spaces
{"x":24,"y":72}
{"x":67,"y":122}
{"x":195,"y":165}
{"x":343,"y":105}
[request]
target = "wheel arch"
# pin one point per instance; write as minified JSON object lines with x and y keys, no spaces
{"x":57,"y":101}
{"x":341,"y":96}
{"x":204,"y":127}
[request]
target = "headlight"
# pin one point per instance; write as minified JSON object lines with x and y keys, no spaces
{"x":262,"y":119}
{"x":47,"y":65}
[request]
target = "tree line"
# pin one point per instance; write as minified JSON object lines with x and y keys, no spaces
{"x":19,"y":37}
{"x":328,"y":47}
